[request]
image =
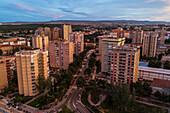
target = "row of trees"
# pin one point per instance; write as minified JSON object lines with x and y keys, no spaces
{"x":141,"y":89}
{"x":159,"y":64}
{"x":162,"y":96}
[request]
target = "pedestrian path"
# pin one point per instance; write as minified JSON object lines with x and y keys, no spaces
{"x":103,"y":97}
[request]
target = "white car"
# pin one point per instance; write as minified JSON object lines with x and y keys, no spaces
{"x":7,"y":107}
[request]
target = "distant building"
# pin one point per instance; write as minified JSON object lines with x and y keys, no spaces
{"x":61,"y":54}
{"x":105,"y":49}
{"x":137,"y":37}
{"x":149,"y":44}
{"x":161,"y":85}
{"x":3,"y":74}
{"x":30,"y":64}
{"x":10,"y":66}
{"x":123,"y":63}
{"x":109,"y":40}
{"x":165,"y":58}
{"x":41,"y":42}
{"x":56,"y":33}
{"x":148,"y":73}
{"x":66,"y":30}
{"x":10,"y":48}
{"x":78,"y":39}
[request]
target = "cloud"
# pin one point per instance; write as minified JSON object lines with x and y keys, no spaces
{"x":20,"y":6}
{"x":54,"y":15}
{"x":150,"y":1}
{"x":69,"y":10}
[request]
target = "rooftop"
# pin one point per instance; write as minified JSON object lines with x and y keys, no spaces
{"x":161,"y":83}
{"x":154,"y":70}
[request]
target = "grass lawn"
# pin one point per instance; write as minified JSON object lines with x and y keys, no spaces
{"x":34,"y":103}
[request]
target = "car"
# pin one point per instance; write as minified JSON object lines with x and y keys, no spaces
{"x":13,"y":105}
{"x":20,"y":109}
{"x":8,"y":107}
{"x":9,"y":104}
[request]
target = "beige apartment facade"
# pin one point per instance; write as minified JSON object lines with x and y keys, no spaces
{"x":41,"y":42}
{"x":61,"y":54}
{"x":137,"y":37}
{"x":123,"y":64}
{"x":149,"y":44}
{"x":3,"y":74}
{"x":66,"y":30}
{"x":78,"y":39}
{"x":105,"y":49}
{"x":30,"y":64}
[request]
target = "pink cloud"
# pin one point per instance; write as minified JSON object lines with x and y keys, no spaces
{"x":54,"y":15}
{"x":20,"y":6}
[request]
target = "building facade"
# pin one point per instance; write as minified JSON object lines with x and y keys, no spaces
{"x":41,"y":42}
{"x":105,"y":49}
{"x":3,"y":74}
{"x":78,"y":39}
{"x":148,"y":73}
{"x":149,"y":44}
{"x":122,"y":64}
{"x":61,"y":54}
{"x":10,"y":66}
{"x":30,"y":64}
{"x":137,"y":37}
{"x":66,"y":30}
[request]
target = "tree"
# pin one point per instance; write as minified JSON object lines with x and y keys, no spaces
{"x":160,"y":56}
{"x":98,"y":65}
{"x":81,"y":82}
{"x":1,"y":52}
{"x":87,"y":71}
{"x":120,"y":96}
{"x":40,"y":83}
{"x":166,"y":65}
{"x":66,"y":110}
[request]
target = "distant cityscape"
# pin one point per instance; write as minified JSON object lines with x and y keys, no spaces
{"x":85,"y":67}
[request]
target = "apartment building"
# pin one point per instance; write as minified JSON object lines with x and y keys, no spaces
{"x":109,"y":40}
{"x":30,"y":64}
{"x":61,"y":54}
{"x":122,"y":64}
{"x":66,"y":30}
{"x":137,"y":37}
{"x":10,"y":66}
{"x":105,"y":49}
{"x":149,"y":44}
{"x":56,"y":33}
{"x":41,"y":42}
{"x":3,"y":74}
{"x":78,"y":39}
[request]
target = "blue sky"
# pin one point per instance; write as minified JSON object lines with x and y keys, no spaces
{"x":47,"y":10}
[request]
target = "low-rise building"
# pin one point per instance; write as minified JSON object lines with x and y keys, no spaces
{"x":161,"y":85}
{"x":148,"y":73}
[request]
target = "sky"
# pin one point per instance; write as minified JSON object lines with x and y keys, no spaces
{"x":51,"y":10}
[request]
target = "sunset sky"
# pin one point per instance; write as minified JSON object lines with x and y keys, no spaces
{"x":47,"y":10}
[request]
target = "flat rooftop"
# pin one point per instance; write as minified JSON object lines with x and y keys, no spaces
{"x":154,"y":70}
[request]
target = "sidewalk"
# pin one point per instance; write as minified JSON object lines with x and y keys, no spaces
{"x":100,"y":101}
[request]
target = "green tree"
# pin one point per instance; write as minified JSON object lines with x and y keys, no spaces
{"x":98,"y":65}
{"x":120,"y":96}
{"x":81,"y":82}
{"x":66,"y":110}
{"x":166,"y":65}
{"x":40,"y":83}
{"x":87,"y":71}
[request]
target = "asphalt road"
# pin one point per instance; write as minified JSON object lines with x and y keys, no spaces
{"x":75,"y":102}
